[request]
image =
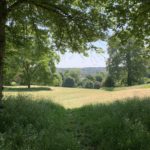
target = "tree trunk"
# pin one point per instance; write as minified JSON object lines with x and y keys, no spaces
{"x":29,"y":85}
{"x":29,"y":80}
{"x":129,"y":69}
{"x":2,"y":44}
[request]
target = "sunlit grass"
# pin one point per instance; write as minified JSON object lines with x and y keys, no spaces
{"x":77,"y":97}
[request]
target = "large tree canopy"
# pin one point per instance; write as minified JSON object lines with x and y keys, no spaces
{"x":127,"y":62}
{"x":69,"y":24}
{"x":130,"y":15}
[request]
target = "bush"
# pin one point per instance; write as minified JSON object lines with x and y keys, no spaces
{"x":13,"y":83}
{"x":69,"y":82}
{"x":97,"y":85}
{"x":109,"y":82}
{"x":98,"y":78}
{"x":90,"y":77}
{"x":146,"y":80}
{"x":57,"y":81}
{"x":88,"y":84}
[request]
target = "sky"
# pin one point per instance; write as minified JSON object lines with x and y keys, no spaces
{"x":75,"y":60}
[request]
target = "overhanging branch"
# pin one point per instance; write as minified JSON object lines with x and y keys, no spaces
{"x":14,"y":5}
{"x":51,"y":7}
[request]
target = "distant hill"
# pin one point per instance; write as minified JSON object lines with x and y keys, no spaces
{"x":84,"y":71}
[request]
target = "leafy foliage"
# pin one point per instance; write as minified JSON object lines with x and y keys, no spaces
{"x":88,"y":84}
{"x":130,"y":16}
{"x":69,"y":24}
{"x":126,"y":63}
{"x":57,"y":80}
{"x":97,"y":85}
{"x":69,"y":82}
{"x":109,"y":82}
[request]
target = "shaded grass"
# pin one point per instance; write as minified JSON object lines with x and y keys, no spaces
{"x":42,"y":125}
{"x":117,"y":126}
{"x":24,"y":89}
{"x":125,"y":87}
{"x":34,"y":125}
{"x":108,"y":88}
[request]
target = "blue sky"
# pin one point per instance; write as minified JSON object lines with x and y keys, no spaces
{"x":74,"y":60}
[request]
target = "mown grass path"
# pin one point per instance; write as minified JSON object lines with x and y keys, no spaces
{"x":75,"y":129}
{"x":72,"y":127}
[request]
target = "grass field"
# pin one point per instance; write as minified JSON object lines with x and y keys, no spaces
{"x":26,"y":124}
{"x":77,"y":97}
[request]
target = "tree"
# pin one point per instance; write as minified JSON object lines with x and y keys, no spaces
{"x":86,"y":83}
{"x":90,"y":77}
{"x":126,"y":61}
{"x":33,"y":65}
{"x":89,"y":84}
{"x":132,"y":16}
{"x":69,"y":82}
{"x":69,"y":24}
{"x":74,"y":74}
{"x":97,"y":85}
{"x":109,"y":82}
{"x":98,"y":78}
{"x":57,"y":80}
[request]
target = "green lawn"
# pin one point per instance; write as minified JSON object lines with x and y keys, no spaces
{"x":26,"y":124}
{"x":78,"y":97}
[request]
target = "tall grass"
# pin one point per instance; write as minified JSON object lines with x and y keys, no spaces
{"x":34,"y":125}
{"x":41,"y":125}
{"x":117,"y":126}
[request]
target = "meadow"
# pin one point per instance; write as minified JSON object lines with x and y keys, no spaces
{"x":51,"y":118}
{"x":78,"y":97}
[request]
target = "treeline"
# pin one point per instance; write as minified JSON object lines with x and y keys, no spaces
{"x":128,"y":63}
{"x":74,"y":78}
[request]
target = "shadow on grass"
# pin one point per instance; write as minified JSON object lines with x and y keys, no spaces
{"x":32,"y":89}
{"x":26,"y":124}
{"x":108,"y":88}
{"x":35,"y":125}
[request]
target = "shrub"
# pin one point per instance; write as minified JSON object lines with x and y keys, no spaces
{"x":97,"y":85}
{"x":69,"y":82}
{"x":13,"y":83}
{"x":88,"y":84}
{"x":90,"y":77}
{"x":109,"y":82}
{"x":98,"y":78}
{"x":57,"y":81}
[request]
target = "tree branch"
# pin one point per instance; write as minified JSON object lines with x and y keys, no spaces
{"x":51,"y":7}
{"x":14,"y":5}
